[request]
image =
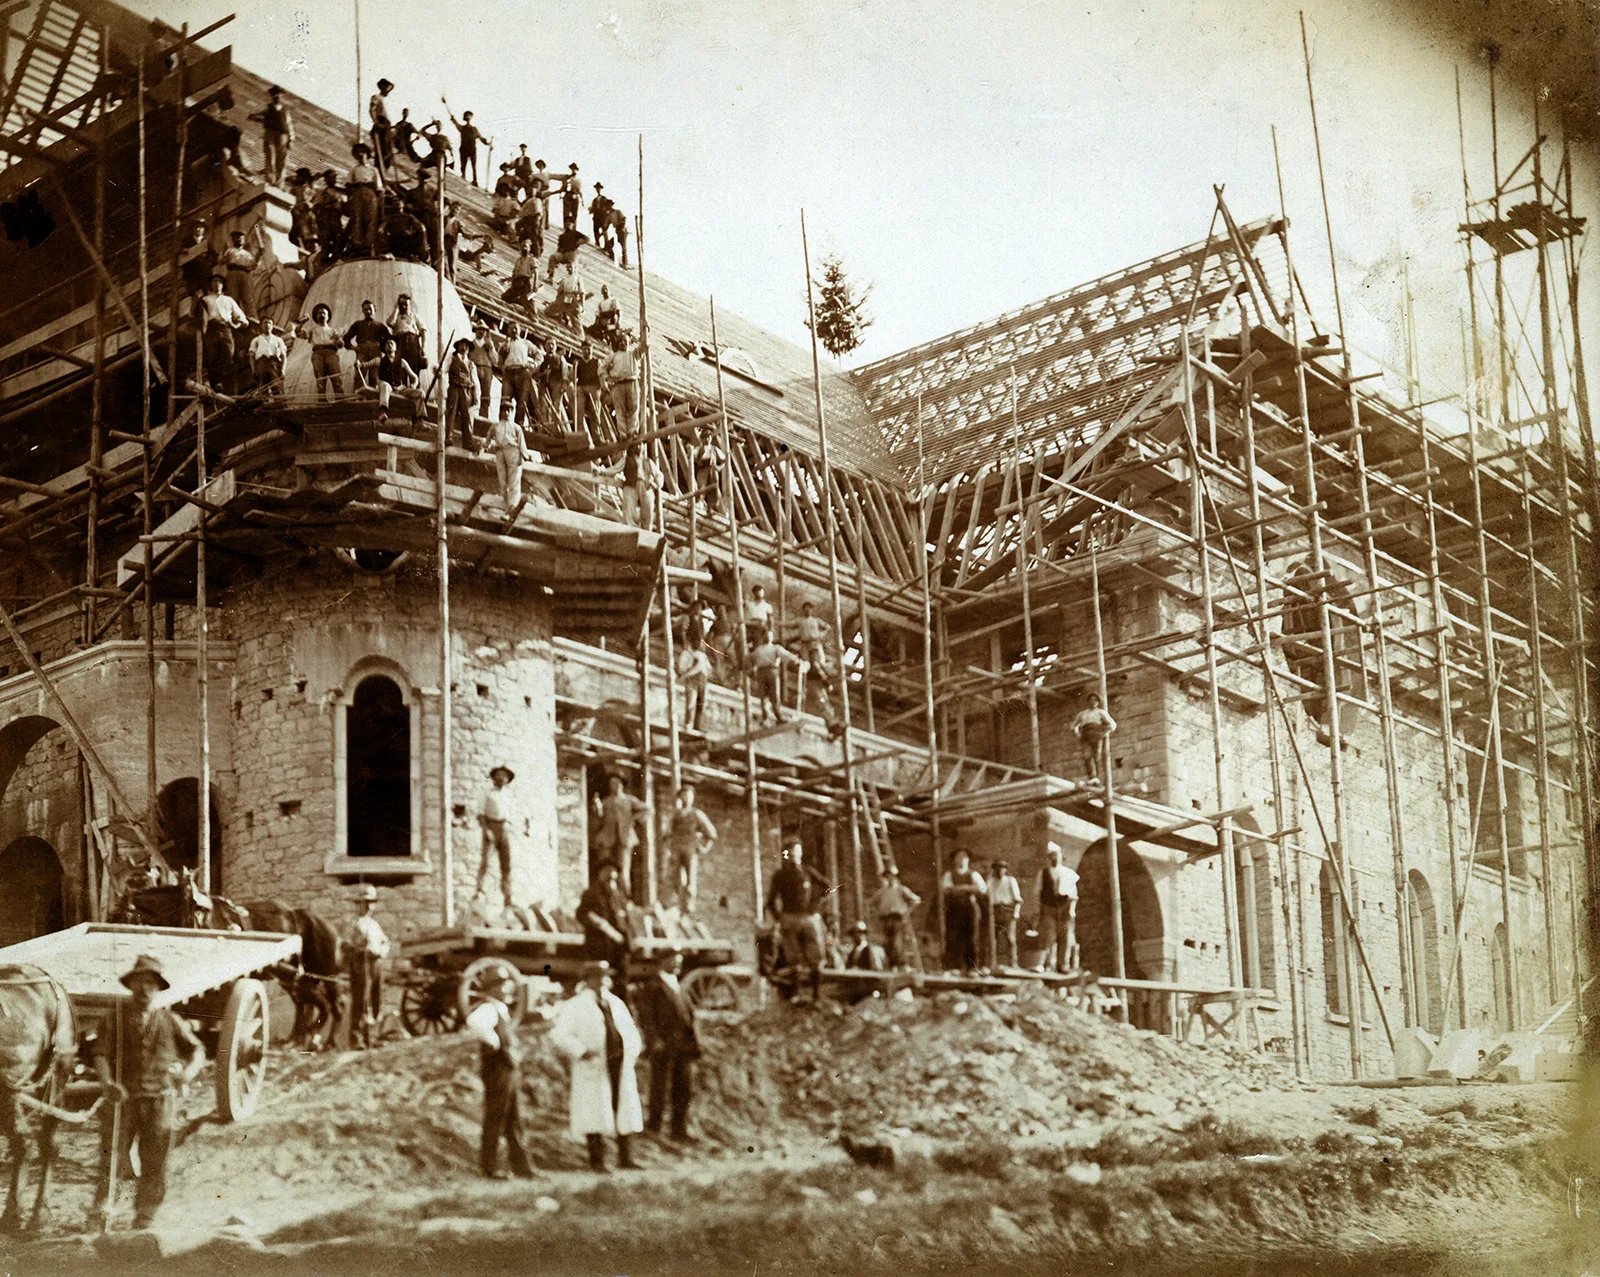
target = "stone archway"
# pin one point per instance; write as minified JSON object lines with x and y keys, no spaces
{"x":16,"y":738}
{"x":178,"y":810}
{"x":32,"y":901}
{"x":1143,"y":925}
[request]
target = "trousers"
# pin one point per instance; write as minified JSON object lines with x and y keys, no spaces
{"x":496,"y":840}
{"x":1057,"y":925}
{"x":508,"y":466}
{"x":502,"y":1118}
{"x":366,"y":995}
{"x":149,"y":1119}
{"x":669,"y":1070}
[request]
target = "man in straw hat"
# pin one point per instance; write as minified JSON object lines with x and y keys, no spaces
{"x":594,"y":1030}
{"x":142,"y":1054}
{"x":495,"y":816}
{"x":493,"y":1024}
{"x":367,"y":947}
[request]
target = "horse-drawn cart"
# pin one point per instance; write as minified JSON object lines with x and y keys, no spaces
{"x":450,"y":970}
{"x":215,"y":979}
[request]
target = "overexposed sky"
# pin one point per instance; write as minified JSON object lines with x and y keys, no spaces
{"x":964,"y":157}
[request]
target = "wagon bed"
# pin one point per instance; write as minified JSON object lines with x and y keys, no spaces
{"x":212,"y":981}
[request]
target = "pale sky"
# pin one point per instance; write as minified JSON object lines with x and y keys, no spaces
{"x":965,"y":158}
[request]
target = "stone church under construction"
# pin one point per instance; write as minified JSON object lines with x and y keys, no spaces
{"x":1341,"y":629}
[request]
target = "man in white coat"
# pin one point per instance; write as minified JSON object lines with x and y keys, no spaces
{"x":595,"y":1031}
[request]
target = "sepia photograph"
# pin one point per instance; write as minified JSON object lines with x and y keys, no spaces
{"x":653,"y":637}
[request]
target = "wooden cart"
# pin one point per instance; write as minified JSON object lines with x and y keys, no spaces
{"x":216,"y":982}
{"x":451,"y":968}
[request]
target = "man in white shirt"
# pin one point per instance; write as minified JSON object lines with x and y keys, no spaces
{"x":607,"y":316}
{"x":267,"y":353}
{"x":506,"y":442}
{"x":1058,"y":911}
{"x":758,"y":617}
{"x":495,"y":816}
{"x":367,"y":946}
{"x":1005,"y":902}
{"x":492,"y":1024}
{"x":622,"y":375}
{"x":594,"y":1030}
{"x":220,"y":315}
{"x":1093,"y":726}
{"x":516,"y":372}
{"x":694,"y":669}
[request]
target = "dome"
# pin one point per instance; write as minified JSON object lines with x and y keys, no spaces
{"x":345,"y":285}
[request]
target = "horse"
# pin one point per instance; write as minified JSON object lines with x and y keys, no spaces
{"x":38,"y":1043}
{"x":317,"y":984}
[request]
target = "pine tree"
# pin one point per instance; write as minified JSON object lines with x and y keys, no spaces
{"x":842,"y":320}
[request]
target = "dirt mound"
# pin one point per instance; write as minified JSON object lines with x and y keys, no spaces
{"x":952,"y":1065}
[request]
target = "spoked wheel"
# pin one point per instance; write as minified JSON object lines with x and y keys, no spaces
{"x":710,"y":989}
{"x":242,"y":1039}
{"x":479,"y":980}
{"x":430,"y":1008}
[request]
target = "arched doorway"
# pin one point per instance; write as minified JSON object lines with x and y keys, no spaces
{"x":1422,"y":968}
{"x":178,"y":810}
{"x":31,"y":899}
{"x":1142,"y":924}
{"x":1253,"y":903}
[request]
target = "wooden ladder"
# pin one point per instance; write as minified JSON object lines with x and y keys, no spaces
{"x":877,"y":825}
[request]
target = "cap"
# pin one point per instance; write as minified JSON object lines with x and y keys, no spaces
{"x":366,"y":891}
{"x":589,"y":969}
{"x":860,"y":926}
{"x":495,"y":771}
{"x":146,"y":964}
{"x":385,"y":84}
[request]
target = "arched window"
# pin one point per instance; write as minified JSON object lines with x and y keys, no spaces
{"x":378,"y":776}
{"x":1335,"y":938}
{"x":1427,"y":995}
{"x":1253,"y":899}
{"x":1500,"y":975}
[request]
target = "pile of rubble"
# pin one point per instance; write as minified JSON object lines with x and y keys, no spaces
{"x":954,"y":1065}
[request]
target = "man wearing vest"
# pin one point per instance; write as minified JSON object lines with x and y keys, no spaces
{"x":142,"y":1054}
{"x":595,"y":1031}
{"x":500,"y":1060}
{"x":666,"y":1019}
{"x":277,"y":135}
{"x":1058,"y":911}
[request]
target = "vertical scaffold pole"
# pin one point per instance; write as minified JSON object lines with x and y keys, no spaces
{"x":152,"y":816}
{"x":202,"y":627}
{"x":1119,"y":964}
{"x":442,"y":532}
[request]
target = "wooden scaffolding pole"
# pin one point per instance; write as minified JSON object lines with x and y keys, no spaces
{"x":147,"y":444}
{"x":740,"y":640}
{"x":91,"y":571}
{"x":202,"y":625}
{"x":830,"y":525}
{"x":1119,"y":962}
{"x":1024,"y":531}
{"x":441,"y":527}
{"x":1330,"y":672}
{"x":647,"y":779}
{"x":924,"y":534}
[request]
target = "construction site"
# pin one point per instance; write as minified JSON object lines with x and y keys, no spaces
{"x":274,"y":640}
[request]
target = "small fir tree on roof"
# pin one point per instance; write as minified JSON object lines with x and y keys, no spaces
{"x":842,"y":319}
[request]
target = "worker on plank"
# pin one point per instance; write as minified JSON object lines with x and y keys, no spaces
{"x":366,"y":948}
{"x":690,"y":834}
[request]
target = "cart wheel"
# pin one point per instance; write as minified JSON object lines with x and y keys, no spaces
{"x":430,"y":1008}
{"x":710,"y":989}
{"x":242,"y":1039}
{"x":480,"y":976}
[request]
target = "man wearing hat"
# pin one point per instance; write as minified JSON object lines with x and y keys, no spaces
{"x":666,"y":1022}
{"x":463,"y":394}
{"x":600,"y":212}
{"x":495,"y":816}
{"x":1005,"y":903}
{"x":864,"y":955}
{"x":571,"y":197}
{"x":492,"y":1023}
{"x":378,"y":113}
{"x":277,"y":135}
{"x":1058,"y":910}
{"x":607,"y":930}
{"x":220,"y":315}
{"x":368,"y":947}
{"x":141,"y":1055}
{"x":594,"y":1030}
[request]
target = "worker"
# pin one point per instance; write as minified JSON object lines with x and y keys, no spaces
{"x":1005,"y":903}
{"x":600,"y":211}
{"x":403,"y":136}
{"x":144,"y":1055}
{"x":277,"y":135}
{"x":672,"y":1044}
{"x":622,"y":377}
{"x":363,"y":203}
{"x":1093,"y":727}
{"x":590,"y":389}
{"x":530,"y":223}
{"x":864,"y":955}
{"x":220,"y":315}
{"x":378,"y":114}
{"x":567,"y":308}
{"x":523,"y":272}
{"x":571,"y":197}
{"x":594,"y":1029}
{"x":566,"y":254}
{"x":554,"y":381}
{"x":488,"y":348}
{"x":267,"y":353}
{"x":893,"y":903}
{"x":470,"y":136}
{"x":618,"y":820}
{"x":510,"y":451}
{"x":409,"y":332}
{"x":964,"y":889}
{"x":325,"y":346}
{"x":1058,"y":911}
{"x":492,"y":1023}
{"x":795,"y":899}
{"x":522,"y":167}
{"x":390,"y":374}
{"x":516,"y":374}
{"x":238,"y":261}
{"x":366,"y":948}
{"x":690,"y":835}
{"x":367,"y":335}
{"x":462,"y":394}
{"x":504,"y":208}
{"x":441,"y":151}
{"x":758,"y":616}
{"x":694,"y":671}
{"x":496,"y":817}
{"x":603,"y":914}
{"x":329,"y":209}
{"x":767,"y":658}
{"x":607,"y":316}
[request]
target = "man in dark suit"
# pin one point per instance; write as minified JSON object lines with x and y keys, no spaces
{"x":666,"y":1019}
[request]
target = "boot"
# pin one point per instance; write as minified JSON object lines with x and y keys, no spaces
{"x":597,"y":1153}
{"x":625,"y":1154}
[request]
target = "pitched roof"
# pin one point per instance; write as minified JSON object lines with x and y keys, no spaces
{"x":1073,"y":361}
{"x":776,"y":399}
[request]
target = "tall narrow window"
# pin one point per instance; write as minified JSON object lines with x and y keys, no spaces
{"x":378,"y":749}
{"x":1335,"y":936}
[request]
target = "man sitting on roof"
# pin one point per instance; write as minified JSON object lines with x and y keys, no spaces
{"x":523,"y":272}
{"x":389,"y":374}
{"x":566,"y":254}
{"x":607,"y":316}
